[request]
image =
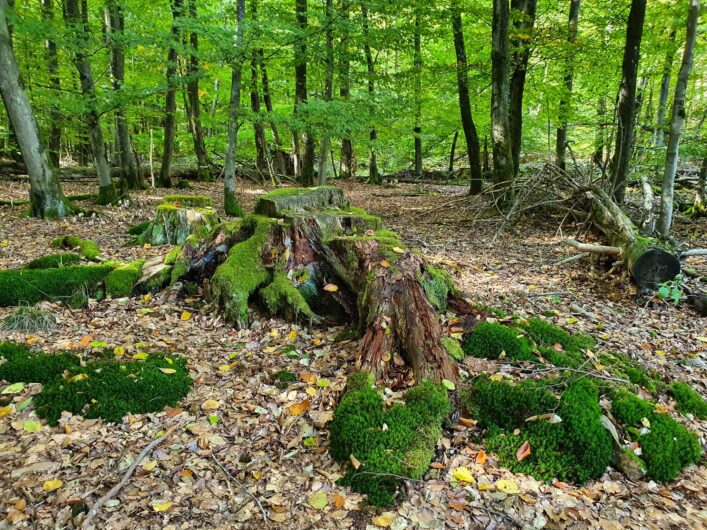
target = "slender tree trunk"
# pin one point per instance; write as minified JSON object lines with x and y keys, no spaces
{"x":202,"y":159}
{"x":523,"y":22}
{"x":47,"y":199}
{"x":626,"y":111}
{"x":452,"y":153}
{"x":468,"y":126}
{"x":417,"y":68}
{"x":347,"y":162}
{"x":328,"y":85}
{"x":700,"y":205}
{"x":230,"y":202}
{"x":374,"y":176}
{"x":77,"y":22}
{"x":306,"y":176}
{"x":564,"y":106}
{"x":503,"y":170}
{"x":12,"y":145}
{"x":258,"y":128}
{"x":170,"y":105}
{"x":280,"y":162}
{"x":600,"y":134}
{"x":130,"y":177}
{"x":664,"y":91}
{"x":55,"y":117}
{"x":677,"y":118}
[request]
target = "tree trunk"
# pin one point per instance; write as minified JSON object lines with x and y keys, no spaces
{"x":452,"y":153}
{"x":700,"y":205}
{"x":258,"y":129}
{"x":678,"y":116}
{"x":347,"y":162}
{"x":281,"y":163}
{"x":600,"y":134}
{"x":46,"y":196}
{"x":54,"y":145}
{"x":564,"y":106}
{"x":77,"y":23}
{"x":503,"y":170}
{"x":202,"y":159}
{"x":627,"y":100}
{"x":230,"y":202}
{"x":374,"y":176}
{"x":417,"y":69}
{"x":170,"y":104}
{"x":130,"y":177}
{"x":328,"y":85}
{"x":470,"y":135}
{"x":306,"y":175}
{"x":664,"y":91}
{"x":523,"y":22}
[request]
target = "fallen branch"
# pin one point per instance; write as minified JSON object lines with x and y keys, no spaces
{"x":242,"y":486}
{"x":594,"y":249}
{"x":116,"y":489}
{"x":694,"y":252}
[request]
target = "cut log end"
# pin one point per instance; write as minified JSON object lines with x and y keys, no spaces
{"x":655,"y":266}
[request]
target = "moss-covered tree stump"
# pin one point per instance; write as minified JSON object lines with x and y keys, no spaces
{"x":320,"y":260}
{"x":178,"y":217}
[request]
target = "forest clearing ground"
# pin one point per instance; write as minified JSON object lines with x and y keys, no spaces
{"x":257,"y":434}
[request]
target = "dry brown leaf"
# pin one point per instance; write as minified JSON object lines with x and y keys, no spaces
{"x":523,"y":451}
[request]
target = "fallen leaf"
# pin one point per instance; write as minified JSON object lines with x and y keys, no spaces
{"x":507,"y":486}
{"x":457,"y":504}
{"x":77,"y":377}
{"x":51,"y":485}
{"x":448,"y":384}
{"x":354,"y":461}
{"x":384,"y":520}
{"x":32,"y":426}
{"x":298,"y":408}
{"x":14,"y":388}
{"x":168,"y":370}
{"x":331,"y":288}
{"x":481,"y":457}
{"x":523,"y":451}
{"x":210,"y":404}
{"x":4,"y":411}
{"x":140,"y":356}
{"x":385,"y":264}
{"x":292,"y":335}
{"x":186,"y":315}
{"x":162,"y":506}
{"x":85,"y":341}
{"x":318,"y":500}
{"x":149,"y":466}
{"x":398,"y":250}
{"x":172,"y":412}
{"x":339,"y":501}
{"x":463,"y":474}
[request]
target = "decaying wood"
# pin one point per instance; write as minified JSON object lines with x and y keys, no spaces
{"x":594,"y":249}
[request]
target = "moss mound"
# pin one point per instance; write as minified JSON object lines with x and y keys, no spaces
{"x":280,"y":296}
{"x":666,"y":445}
{"x":54,"y":261}
{"x":389,"y":443}
{"x":139,"y":228}
{"x":87,"y":248}
{"x":453,"y":347}
{"x":547,"y":334}
{"x":120,"y":281}
{"x":688,"y":401}
{"x":489,"y":340}
{"x":187,"y":201}
{"x":566,"y":437}
{"x":107,"y":389}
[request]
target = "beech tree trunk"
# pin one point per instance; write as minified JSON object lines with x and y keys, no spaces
{"x":700,"y":205}
{"x":230,"y":203}
{"x":678,"y":116}
{"x":374,"y":176}
{"x":627,"y":100}
{"x":280,"y":162}
{"x":347,"y":162}
{"x":258,"y":129}
{"x":470,"y":135}
{"x":54,"y":143}
{"x":564,"y":106}
{"x":46,"y":197}
{"x":664,"y":92}
{"x":523,"y":22}
{"x":306,"y":144}
{"x":77,"y":23}
{"x":170,"y":104}
{"x":328,"y":85}
{"x":202,"y":159}
{"x":417,"y":69}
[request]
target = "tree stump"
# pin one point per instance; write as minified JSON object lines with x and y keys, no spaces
{"x":178,"y":217}
{"x":319,"y":260}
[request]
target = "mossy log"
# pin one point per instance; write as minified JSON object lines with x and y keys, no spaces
{"x":333,"y":266}
{"x":178,"y":218}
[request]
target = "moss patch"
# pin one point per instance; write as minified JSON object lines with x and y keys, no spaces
{"x":547,"y":334}
{"x":389,"y":443}
{"x":138,"y":228}
{"x":87,"y":248}
{"x":120,"y":281}
{"x":187,"y":201}
{"x":280,"y":295}
{"x":489,"y":340}
{"x":688,"y":401}
{"x":438,"y":284}
{"x":22,"y":364}
{"x":453,"y":347}
{"x":54,"y":261}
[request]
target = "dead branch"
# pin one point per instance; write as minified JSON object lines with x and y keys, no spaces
{"x":241,"y":486}
{"x":594,"y":249}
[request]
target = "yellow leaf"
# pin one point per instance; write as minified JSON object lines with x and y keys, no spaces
{"x":507,"y":486}
{"x":14,"y":388}
{"x":140,"y":356}
{"x":481,"y":457}
{"x":702,"y":339}
{"x":354,"y":461}
{"x":224,"y":368}
{"x":210,"y":404}
{"x":330,"y":287}
{"x":298,"y":408}
{"x":147,"y":246}
{"x":186,"y":315}
{"x":51,"y":485}
{"x":269,"y":349}
{"x":384,"y":520}
{"x":661,"y":409}
{"x":149,"y":466}
{"x":77,"y":377}
{"x":398,"y":250}
{"x":4,"y":411}
{"x":385,"y":263}
{"x":485,"y":486}
{"x":257,"y":475}
{"x":118,"y":351}
{"x":147,"y":297}
{"x":4,"y":243}
{"x":462,"y":474}
{"x":660,"y":352}
{"x":496,"y":377}
{"x":85,"y":341}
{"x":318,"y":500}
{"x":32,"y":339}
{"x":292,"y":335}
{"x":168,"y":370}
{"x":32,"y":426}
{"x":162,"y":506}
{"x":311,"y":391}
{"x":572,"y":320}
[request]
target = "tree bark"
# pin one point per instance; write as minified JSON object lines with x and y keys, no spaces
{"x":374,"y":176}
{"x":230,"y":203}
{"x":503,"y":170}
{"x":523,"y":22}
{"x":77,"y":23}
{"x":281,"y":163}
{"x":47,"y":199}
{"x":452,"y":153}
{"x":417,"y":74}
{"x":700,"y":205}
{"x":664,"y":91}
{"x":258,"y":129}
{"x":347,"y":162}
{"x":306,"y":173}
{"x":470,"y":134}
{"x":328,"y":85}
{"x":170,"y":104}
{"x":54,"y":144}
{"x":193,"y":72}
{"x":626,"y":111}
{"x":678,"y":116}
{"x":564,"y":106}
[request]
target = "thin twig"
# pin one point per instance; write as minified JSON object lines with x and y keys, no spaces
{"x":242,"y":486}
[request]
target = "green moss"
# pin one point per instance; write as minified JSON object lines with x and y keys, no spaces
{"x":291,"y":192}
{"x":437,"y":284}
{"x":54,"y":261}
{"x":688,"y":401}
{"x":139,"y":228}
{"x":171,"y":256}
{"x":564,"y":359}
{"x":231,"y":205}
{"x":638,"y":377}
{"x":237,"y":278}
{"x":283,"y":378}
{"x":187,"y":201}
{"x":547,"y":334}
{"x":489,"y":340}
{"x":120,"y":281}
{"x":629,"y":408}
{"x":389,"y":443}
{"x":29,"y":286}
{"x":183,"y":185}
{"x":280,"y":296}
{"x":22,"y":364}
{"x":453,"y":347}
{"x":89,"y":249}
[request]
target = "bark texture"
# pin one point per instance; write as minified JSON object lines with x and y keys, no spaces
{"x":230,"y":203}
{"x":564,"y":106}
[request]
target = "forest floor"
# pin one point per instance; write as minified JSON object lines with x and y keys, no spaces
{"x":258,"y":437}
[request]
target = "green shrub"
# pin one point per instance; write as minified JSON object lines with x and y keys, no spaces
{"x":388,"y":443}
{"x":187,"y":201}
{"x":688,"y":401}
{"x":120,"y":281}
{"x":21,"y":364}
{"x":29,"y":286}
{"x":88,"y":249}
{"x":54,"y":261}
{"x":547,"y":334}
{"x":29,"y":319}
{"x":489,"y":340}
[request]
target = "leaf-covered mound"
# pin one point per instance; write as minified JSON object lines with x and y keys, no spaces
{"x":106,"y":388}
{"x":380,"y":445}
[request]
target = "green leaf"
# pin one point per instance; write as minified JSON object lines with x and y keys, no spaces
{"x":15,"y":388}
{"x":318,"y":500}
{"x":32,"y":426}
{"x":448,"y":384}
{"x":664,"y":292}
